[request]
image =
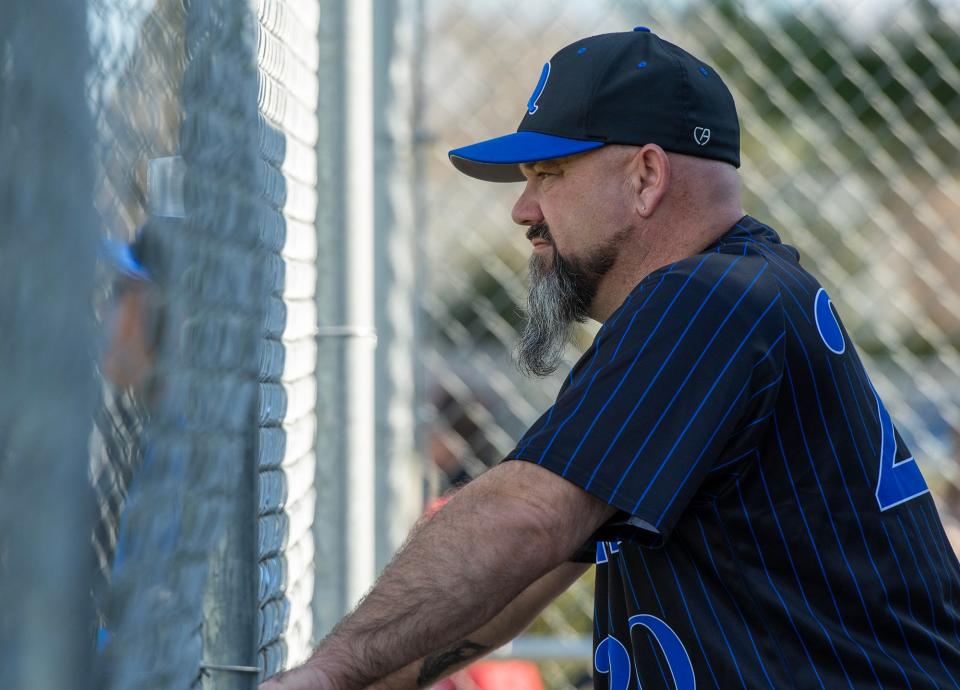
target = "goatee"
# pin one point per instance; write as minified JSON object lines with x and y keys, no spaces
{"x":560,"y":295}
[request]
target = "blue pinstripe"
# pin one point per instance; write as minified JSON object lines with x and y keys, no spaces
{"x":774,"y":257}
{"x":930,"y":561}
{"x":792,"y":296}
{"x":583,"y":397}
{"x":716,"y":619}
{"x":760,"y":390}
{"x":623,"y":337}
{"x":526,"y":444}
{"x":846,"y":490}
{"x":693,"y":625}
{"x":733,"y":600}
{"x":892,"y":550}
{"x":776,"y":591}
{"x":734,"y":461}
{"x":813,"y":542}
{"x":623,"y":379}
{"x":926,"y":588}
{"x":653,"y":588}
{"x":941,"y":556}
{"x":933,"y":640}
{"x":796,"y":574}
{"x":833,"y":527}
{"x":760,"y":420}
{"x":941,"y":538}
{"x":716,"y":429}
{"x":703,"y":401}
{"x":653,"y":380}
{"x":787,"y":269}
{"x":933,"y":619}
{"x":587,"y":368}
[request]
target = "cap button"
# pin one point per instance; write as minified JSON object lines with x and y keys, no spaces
{"x":642,"y":28}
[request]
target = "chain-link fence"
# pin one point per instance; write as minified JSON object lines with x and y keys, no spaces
{"x":851,"y":148}
{"x":288,"y":59}
{"x":172,"y":143}
{"x":188,"y":175}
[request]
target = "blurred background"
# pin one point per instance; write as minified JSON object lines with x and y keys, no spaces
{"x":252,"y":322}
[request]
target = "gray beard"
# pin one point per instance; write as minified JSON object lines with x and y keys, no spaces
{"x":560,"y":296}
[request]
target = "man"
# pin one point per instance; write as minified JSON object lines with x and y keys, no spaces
{"x":755,"y":518}
{"x":132,"y":319}
{"x":132,"y":316}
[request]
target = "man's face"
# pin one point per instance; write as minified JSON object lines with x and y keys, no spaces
{"x":579,"y":215}
{"x":129,"y":354}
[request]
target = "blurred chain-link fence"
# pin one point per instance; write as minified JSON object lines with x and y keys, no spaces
{"x":851,"y":148}
{"x":47,"y":338}
{"x":172,"y":143}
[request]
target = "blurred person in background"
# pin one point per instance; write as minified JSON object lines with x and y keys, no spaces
{"x":132,"y":315}
{"x":719,"y":453}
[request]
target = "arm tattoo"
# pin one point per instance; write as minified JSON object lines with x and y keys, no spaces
{"x":435,"y":665}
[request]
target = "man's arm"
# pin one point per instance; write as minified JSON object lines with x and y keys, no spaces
{"x":502,"y":628}
{"x":500,"y":533}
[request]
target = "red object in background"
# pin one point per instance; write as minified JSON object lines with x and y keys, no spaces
{"x":435,"y":505}
{"x":495,"y":675}
{"x":505,"y":675}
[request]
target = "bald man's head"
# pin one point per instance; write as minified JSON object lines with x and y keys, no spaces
{"x":700,"y":187}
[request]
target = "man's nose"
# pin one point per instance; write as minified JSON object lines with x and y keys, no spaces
{"x":526,"y":211}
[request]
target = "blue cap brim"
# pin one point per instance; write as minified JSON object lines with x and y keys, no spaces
{"x":498,"y":160}
{"x":120,"y":257}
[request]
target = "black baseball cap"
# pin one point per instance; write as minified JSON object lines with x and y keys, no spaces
{"x":632,"y":88}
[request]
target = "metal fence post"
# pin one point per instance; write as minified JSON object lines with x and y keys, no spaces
{"x":344,"y":523}
{"x":48,"y":243}
{"x":329,"y":525}
{"x":360,"y":361}
{"x":399,"y":468}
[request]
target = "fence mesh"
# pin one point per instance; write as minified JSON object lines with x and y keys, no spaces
{"x":172,"y":142}
{"x":851,"y":148}
{"x":184,"y":175}
{"x":288,"y":60}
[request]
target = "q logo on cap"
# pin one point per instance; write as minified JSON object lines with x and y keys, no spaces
{"x":532,"y":106}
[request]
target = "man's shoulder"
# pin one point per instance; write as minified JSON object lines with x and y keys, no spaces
{"x":722,"y":277}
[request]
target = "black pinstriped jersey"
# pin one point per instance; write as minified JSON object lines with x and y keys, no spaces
{"x":775,"y":531}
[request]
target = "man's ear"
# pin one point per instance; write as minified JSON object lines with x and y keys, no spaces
{"x":649,"y":171}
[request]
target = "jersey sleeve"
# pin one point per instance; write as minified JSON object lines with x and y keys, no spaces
{"x":671,"y":376}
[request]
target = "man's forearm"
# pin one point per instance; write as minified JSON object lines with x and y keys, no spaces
{"x":456,"y":572}
{"x":502,"y":628}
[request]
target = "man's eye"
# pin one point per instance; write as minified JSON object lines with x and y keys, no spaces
{"x":542,"y":175}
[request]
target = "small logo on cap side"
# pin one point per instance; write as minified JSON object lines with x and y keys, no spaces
{"x":701,"y":135}
{"x":532,"y":106}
